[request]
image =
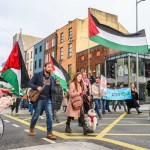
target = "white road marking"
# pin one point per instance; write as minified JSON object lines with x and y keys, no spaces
{"x":6,"y":121}
{"x":15,"y":125}
{"x":26,"y":130}
{"x":48,"y":140}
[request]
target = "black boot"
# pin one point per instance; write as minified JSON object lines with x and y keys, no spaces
{"x":68,"y":129}
{"x":129,"y":112}
{"x":86,"y":130}
{"x":138,"y":110}
{"x":99,"y":116}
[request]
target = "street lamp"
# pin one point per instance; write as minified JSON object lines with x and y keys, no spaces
{"x":137,"y":55}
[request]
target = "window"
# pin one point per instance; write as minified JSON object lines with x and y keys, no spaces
{"x":53,"y":54}
{"x":69,"y":50}
{"x":46,"y":58}
{"x":61,"y":53}
{"x":97,"y":70}
{"x":70,"y":33}
{"x":41,"y":48}
{"x":47,"y":45}
{"x":36,"y":51}
{"x":69,"y":69}
{"x":40,"y":63}
{"x":61,"y":37}
{"x":31,"y":66}
{"x":31,"y":54}
{"x":35,"y":65}
{"x":53,"y":42}
{"x":82,"y":57}
{"x":27,"y":56}
{"x":98,"y":53}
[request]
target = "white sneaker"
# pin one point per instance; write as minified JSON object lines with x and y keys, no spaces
{"x":41,"y":117}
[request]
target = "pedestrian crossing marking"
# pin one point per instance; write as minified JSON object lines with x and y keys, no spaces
{"x":15,"y":125}
{"x":50,"y":141}
{"x":6,"y":121}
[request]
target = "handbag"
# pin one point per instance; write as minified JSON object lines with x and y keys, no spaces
{"x":77,"y":103}
{"x":34,"y":95}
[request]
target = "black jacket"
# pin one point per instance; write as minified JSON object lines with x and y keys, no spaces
{"x":57,"y":96}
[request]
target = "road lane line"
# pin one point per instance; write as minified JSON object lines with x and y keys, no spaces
{"x":48,"y":140}
{"x":15,"y":125}
{"x":26,"y":130}
{"x":108,"y":128}
{"x":62,"y":135}
{"x":6,"y":121}
{"x":123,"y":144}
{"x":54,"y":125}
{"x":113,"y":134}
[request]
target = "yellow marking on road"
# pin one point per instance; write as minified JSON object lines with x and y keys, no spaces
{"x":62,"y":135}
{"x":132,"y":124}
{"x":134,"y":118}
{"x":27,"y":118}
{"x":127,"y":134}
{"x":123,"y":144}
{"x":54,"y":125}
{"x":80,"y":134}
{"x":108,"y":128}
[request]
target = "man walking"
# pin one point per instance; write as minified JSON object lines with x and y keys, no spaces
{"x":43,"y":82}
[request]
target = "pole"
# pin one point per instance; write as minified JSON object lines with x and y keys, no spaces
{"x":105,"y":68}
{"x":129,"y":69}
{"x":137,"y":55}
{"x":115,"y":74}
{"x":88,"y":57}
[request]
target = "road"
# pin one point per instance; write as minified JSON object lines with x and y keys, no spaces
{"x":116,"y":130}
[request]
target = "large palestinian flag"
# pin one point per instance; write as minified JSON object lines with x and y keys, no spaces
{"x":14,"y":71}
{"x":59,"y":72}
{"x":109,"y":37}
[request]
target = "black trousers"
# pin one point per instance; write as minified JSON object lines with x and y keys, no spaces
{"x":16,"y":105}
{"x":81,"y":118}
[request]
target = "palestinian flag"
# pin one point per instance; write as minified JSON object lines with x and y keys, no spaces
{"x":109,"y":37}
{"x":59,"y":72}
{"x":14,"y":71}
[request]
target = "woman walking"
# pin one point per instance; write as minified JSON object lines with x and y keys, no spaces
{"x":133,"y":102}
{"x":57,"y":99}
{"x":75,"y":104}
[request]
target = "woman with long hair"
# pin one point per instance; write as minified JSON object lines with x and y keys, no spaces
{"x":75,"y":104}
{"x":133,"y":102}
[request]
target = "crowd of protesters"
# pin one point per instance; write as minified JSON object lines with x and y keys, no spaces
{"x":84,"y":87}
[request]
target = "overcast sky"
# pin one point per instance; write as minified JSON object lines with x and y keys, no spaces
{"x":40,"y":18}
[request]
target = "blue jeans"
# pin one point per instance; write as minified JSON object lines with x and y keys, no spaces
{"x":43,"y":105}
{"x":97,"y":105}
{"x":105,"y":106}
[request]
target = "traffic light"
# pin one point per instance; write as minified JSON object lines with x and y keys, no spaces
{"x":113,"y":71}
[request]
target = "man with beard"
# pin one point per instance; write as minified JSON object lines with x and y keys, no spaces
{"x":44,"y":82}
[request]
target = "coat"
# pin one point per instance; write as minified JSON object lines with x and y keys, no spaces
{"x":133,"y":102}
{"x":57,"y":97}
{"x":148,"y":87}
{"x":74,"y":93}
{"x":37,"y":80}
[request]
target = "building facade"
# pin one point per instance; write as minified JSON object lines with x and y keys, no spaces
{"x":66,"y":46}
{"x":38,"y":57}
{"x":50,"y":47}
{"x":29,"y":61}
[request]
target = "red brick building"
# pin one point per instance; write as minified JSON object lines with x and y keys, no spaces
{"x":97,"y":56}
{"x":50,"y":46}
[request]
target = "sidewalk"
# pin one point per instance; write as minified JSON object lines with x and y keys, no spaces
{"x":66,"y":146}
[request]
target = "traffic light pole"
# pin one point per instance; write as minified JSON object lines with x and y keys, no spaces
{"x":115,"y":74}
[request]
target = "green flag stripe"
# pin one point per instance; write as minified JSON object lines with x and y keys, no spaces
{"x":107,"y":43}
{"x":11,"y":77}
